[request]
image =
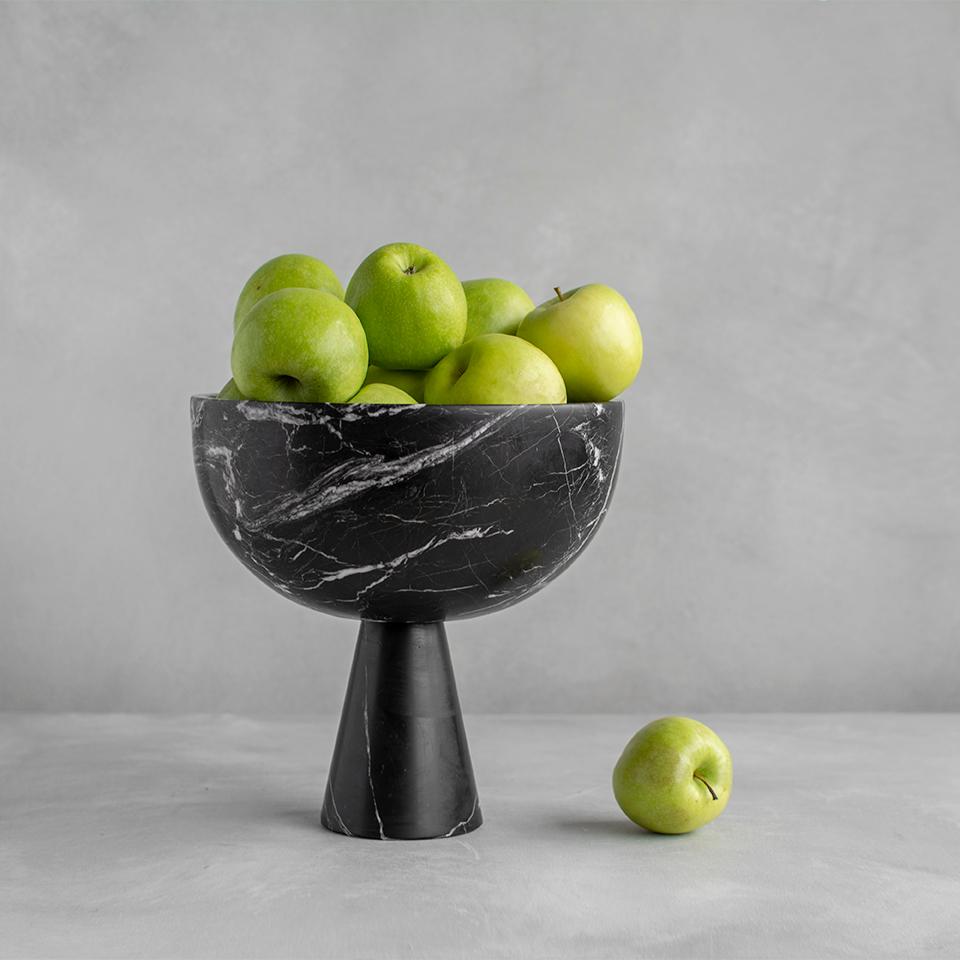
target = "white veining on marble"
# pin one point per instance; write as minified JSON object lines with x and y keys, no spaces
{"x":388,"y":566}
{"x":333,"y":803}
{"x":353,"y":477}
{"x":566,"y":475}
{"x":366,"y":733}
{"x":463,"y":823}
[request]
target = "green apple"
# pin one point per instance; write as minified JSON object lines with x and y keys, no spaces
{"x":495,"y":368}
{"x":381,"y":393}
{"x":494,"y":306}
{"x":593,"y":337}
{"x":410,"y":381}
{"x":230,"y":391}
{"x":674,"y":775}
{"x":411,"y":305}
{"x":290,"y":270}
{"x":299,"y":345}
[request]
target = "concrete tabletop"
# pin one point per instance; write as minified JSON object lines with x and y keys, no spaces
{"x":135,"y":836}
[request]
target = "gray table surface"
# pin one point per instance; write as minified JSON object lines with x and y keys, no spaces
{"x":136,"y":836}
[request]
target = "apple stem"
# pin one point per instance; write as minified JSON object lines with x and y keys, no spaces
{"x":559,"y":294}
{"x":697,"y":776}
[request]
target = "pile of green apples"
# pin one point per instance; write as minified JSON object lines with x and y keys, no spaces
{"x":406,"y":330}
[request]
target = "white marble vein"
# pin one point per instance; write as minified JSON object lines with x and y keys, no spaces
{"x":366,"y":733}
{"x":354,"y":477}
{"x":464,"y":823}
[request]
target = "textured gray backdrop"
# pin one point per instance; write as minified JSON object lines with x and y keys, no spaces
{"x":776,"y":189}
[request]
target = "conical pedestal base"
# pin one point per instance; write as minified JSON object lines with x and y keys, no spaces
{"x":401,"y":767}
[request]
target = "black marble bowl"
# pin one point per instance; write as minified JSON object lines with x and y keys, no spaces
{"x":405,"y":513}
{"x":403,"y":517}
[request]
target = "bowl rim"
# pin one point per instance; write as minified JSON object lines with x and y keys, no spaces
{"x":300,"y":404}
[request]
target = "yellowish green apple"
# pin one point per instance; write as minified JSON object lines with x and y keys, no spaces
{"x":495,"y":368}
{"x":674,"y":776}
{"x":299,"y":345}
{"x":230,"y":391}
{"x":411,"y":304}
{"x":410,"y":381}
{"x":494,"y":306}
{"x":593,"y":337}
{"x":381,"y":393}
{"x":289,"y":270}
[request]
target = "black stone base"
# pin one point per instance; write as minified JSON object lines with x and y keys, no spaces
{"x":401,"y":767}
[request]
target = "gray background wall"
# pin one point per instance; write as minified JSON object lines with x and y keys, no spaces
{"x":776,"y":188}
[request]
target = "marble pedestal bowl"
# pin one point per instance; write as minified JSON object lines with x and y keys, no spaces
{"x":404,"y":517}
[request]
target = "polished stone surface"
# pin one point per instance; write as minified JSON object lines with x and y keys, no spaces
{"x":406,"y":513}
{"x":401,"y":765}
{"x":133,"y":836}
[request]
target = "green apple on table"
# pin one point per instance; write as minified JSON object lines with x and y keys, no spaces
{"x":411,"y":304}
{"x":495,"y":368}
{"x":381,"y":393}
{"x":593,"y":337}
{"x":299,"y":345}
{"x":674,"y":776}
{"x":409,"y":381}
{"x":289,"y":270}
{"x":494,"y":306}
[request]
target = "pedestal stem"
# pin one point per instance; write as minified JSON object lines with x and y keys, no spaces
{"x":401,"y":767}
